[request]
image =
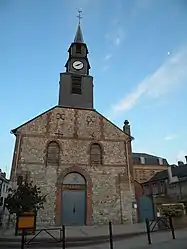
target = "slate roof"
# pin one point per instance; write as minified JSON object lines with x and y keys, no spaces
{"x":78,"y":35}
{"x":149,"y":159}
{"x":180,"y":171}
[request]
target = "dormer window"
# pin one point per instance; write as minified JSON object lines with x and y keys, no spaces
{"x":78,"y":48}
{"x":160,"y":161}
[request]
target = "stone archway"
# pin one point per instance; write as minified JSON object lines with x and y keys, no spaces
{"x":88,"y":182}
{"x":73,"y":208}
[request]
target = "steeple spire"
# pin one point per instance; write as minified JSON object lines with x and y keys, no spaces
{"x":76,"y":84}
{"x":78,"y":35}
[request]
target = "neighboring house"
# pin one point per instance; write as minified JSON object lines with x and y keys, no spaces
{"x":4,"y":186}
{"x":146,"y":166}
{"x":169,"y":184}
{"x":169,"y":191}
{"x":167,"y":187}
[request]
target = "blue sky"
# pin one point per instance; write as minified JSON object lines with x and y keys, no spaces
{"x":138,"y":57}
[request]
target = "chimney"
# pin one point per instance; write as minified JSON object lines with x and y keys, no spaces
{"x":126,"y":127}
{"x":161,"y":161}
{"x":186,"y":159}
{"x":3,"y":175}
{"x":169,"y":173}
{"x":180,"y":163}
{"x":142,"y":160}
{"x":171,"y":178}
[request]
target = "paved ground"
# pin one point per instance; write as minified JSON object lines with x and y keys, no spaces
{"x":180,"y":243}
{"x":84,"y":231}
{"x":161,"y":240}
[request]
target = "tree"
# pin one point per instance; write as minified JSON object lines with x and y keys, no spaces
{"x":25,"y":198}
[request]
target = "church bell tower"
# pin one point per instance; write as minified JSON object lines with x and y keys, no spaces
{"x":76,"y":85}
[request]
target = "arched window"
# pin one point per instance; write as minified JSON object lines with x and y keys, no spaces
{"x":96,"y":154}
{"x":53,"y":153}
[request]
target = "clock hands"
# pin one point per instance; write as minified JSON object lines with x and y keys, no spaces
{"x":78,"y":65}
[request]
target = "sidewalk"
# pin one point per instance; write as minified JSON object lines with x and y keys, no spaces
{"x":160,"y":240}
{"x":75,"y":236}
{"x":82,"y":233}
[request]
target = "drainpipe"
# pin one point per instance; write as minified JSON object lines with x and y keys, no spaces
{"x":128,"y":172}
{"x":17,"y":151}
{"x":120,"y":199}
{"x":180,"y":189}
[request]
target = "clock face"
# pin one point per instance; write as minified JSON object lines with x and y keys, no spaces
{"x":78,"y":65}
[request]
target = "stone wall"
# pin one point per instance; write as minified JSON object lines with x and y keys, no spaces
{"x":75,"y":130}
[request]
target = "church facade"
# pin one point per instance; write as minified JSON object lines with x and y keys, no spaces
{"x":81,"y":160}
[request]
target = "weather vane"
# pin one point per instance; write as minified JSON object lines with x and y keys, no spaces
{"x":79,"y":15}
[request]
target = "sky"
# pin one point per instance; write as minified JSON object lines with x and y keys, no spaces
{"x":138,"y":57}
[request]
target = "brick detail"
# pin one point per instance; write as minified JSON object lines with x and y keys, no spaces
{"x":75,"y":124}
{"x":48,"y":122}
{"x":102,"y":128}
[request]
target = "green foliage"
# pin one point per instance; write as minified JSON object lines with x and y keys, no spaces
{"x":172,"y":210}
{"x":25,"y":198}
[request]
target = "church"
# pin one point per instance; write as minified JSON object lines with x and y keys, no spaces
{"x":80,"y":159}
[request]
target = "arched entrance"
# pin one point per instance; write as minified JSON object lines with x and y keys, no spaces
{"x":74,"y":199}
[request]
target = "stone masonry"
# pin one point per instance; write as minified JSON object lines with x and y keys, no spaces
{"x":109,"y":193}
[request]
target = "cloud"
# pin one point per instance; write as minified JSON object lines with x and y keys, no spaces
{"x":141,"y":5}
{"x":108,"y":57}
{"x":105,"y":68}
{"x":115,"y":38}
{"x":120,"y":36}
{"x":170,"y":137}
{"x":80,"y":4}
{"x":169,"y":75}
{"x":117,"y":35}
{"x":123,"y":17}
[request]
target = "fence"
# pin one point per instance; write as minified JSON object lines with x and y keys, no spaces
{"x":60,"y":239}
{"x":150,"y":227}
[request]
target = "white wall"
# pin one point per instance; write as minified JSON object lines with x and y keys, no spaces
{"x":4,"y":193}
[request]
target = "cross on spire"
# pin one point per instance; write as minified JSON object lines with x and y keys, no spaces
{"x":79,"y":16}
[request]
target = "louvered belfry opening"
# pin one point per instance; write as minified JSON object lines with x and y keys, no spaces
{"x":76,"y":84}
